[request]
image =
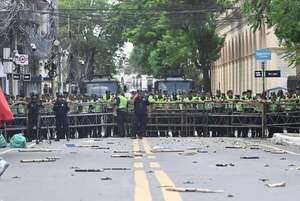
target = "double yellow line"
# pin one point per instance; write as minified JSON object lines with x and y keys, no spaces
{"x":142,"y":188}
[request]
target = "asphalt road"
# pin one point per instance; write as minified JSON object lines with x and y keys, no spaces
{"x":151,"y":172}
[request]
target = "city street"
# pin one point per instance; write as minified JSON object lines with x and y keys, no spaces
{"x":147,"y":169}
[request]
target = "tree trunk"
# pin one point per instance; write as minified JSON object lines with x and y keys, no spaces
{"x":205,"y":68}
{"x":206,"y":80}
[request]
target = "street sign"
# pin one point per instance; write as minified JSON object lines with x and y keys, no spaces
{"x":22,"y":60}
{"x":273,"y":73}
{"x":17,"y":76}
{"x":258,"y":73}
{"x":27,"y":77}
{"x":263,"y":54}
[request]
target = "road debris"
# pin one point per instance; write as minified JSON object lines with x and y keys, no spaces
{"x":221,"y":165}
{"x":106,"y":178}
{"x":3,"y":166}
{"x":88,"y":146}
{"x":167,"y":151}
{"x":126,"y":155}
{"x":282,"y":159}
{"x":188,"y":182}
{"x":150,"y":172}
{"x":254,"y":147}
{"x":37,"y":150}
{"x":37,"y":160}
{"x":16,"y":177}
{"x":122,"y":156}
{"x":234,"y":147}
{"x":267,"y":165}
{"x":121,"y":152}
{"x":195,"y":190}
{"x":190,"y":153}
{"x":263,"y":180}
{"x":276,"y":185}
{"x":202,"y":152}
{"x":249,"y":157}
{"x":101,"y":148}
{"x":225,"y":165}
{"x":89,"y":170}
{"x":230,"y":196}
{"x":275,"y":151}
{"x":71,"y":145}
{"x":116,"y":169}
{"x":54,"y":158}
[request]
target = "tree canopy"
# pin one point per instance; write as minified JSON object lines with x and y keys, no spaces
{"x":172,"y":35}
{"x":284,"y":16}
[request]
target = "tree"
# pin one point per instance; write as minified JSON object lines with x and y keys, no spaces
{"x":284,"y":16}
{"x":91,"y":40}
{"x":177,"y":33}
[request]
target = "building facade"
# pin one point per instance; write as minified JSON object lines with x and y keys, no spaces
{"x":33,"y":30}
{"x":235,"y":69}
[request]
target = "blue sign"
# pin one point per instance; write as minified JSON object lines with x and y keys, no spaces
{"x":263,"y":54}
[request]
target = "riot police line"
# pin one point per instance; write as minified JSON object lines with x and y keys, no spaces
{"x":193,"y":118}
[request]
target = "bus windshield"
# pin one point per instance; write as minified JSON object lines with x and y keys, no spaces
{"x":174,"y":86}
{"x":100,"y":88}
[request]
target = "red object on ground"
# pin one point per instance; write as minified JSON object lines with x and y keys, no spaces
{"x":5,"y":112}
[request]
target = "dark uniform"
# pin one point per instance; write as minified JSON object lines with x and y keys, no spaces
{"x":61,"y":110}
{"x":33,"y":108}
{"x":140,"y":110}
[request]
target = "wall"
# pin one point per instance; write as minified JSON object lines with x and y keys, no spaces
{"x":234,"y":70}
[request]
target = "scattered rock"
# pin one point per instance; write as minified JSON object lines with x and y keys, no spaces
{"x":230,"y":196}
{"x":267,"y":165}
{"x":16,"y":177}
{"x":282,"y":159}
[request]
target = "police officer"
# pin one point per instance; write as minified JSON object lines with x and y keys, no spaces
{"x":61,"y":110}
{"x":33,"y":108}
{"x":141,"y":103}
{"x":122,"y":109}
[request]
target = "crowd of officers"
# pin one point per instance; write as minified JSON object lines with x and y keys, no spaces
{"x":142,"y":103}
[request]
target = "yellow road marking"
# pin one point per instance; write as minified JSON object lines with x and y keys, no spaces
{"x":147,"y":147}
{"x":10,"y":150}
{"x":152,"y":157}
{"x":154,"y":165}
{"x":136,"y":146}
{"x":138,"y":165}
{"x":165,"y":181}
{"x":142,"y":190}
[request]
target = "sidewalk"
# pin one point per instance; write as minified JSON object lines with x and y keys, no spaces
{"x":286,"y":139}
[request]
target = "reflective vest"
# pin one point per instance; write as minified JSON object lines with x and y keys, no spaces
{"x":123,"y":102}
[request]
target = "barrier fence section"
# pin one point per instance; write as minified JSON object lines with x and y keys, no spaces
{"x":176,"y":119}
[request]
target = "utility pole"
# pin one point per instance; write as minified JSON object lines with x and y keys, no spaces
{"x":263,"y":68}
